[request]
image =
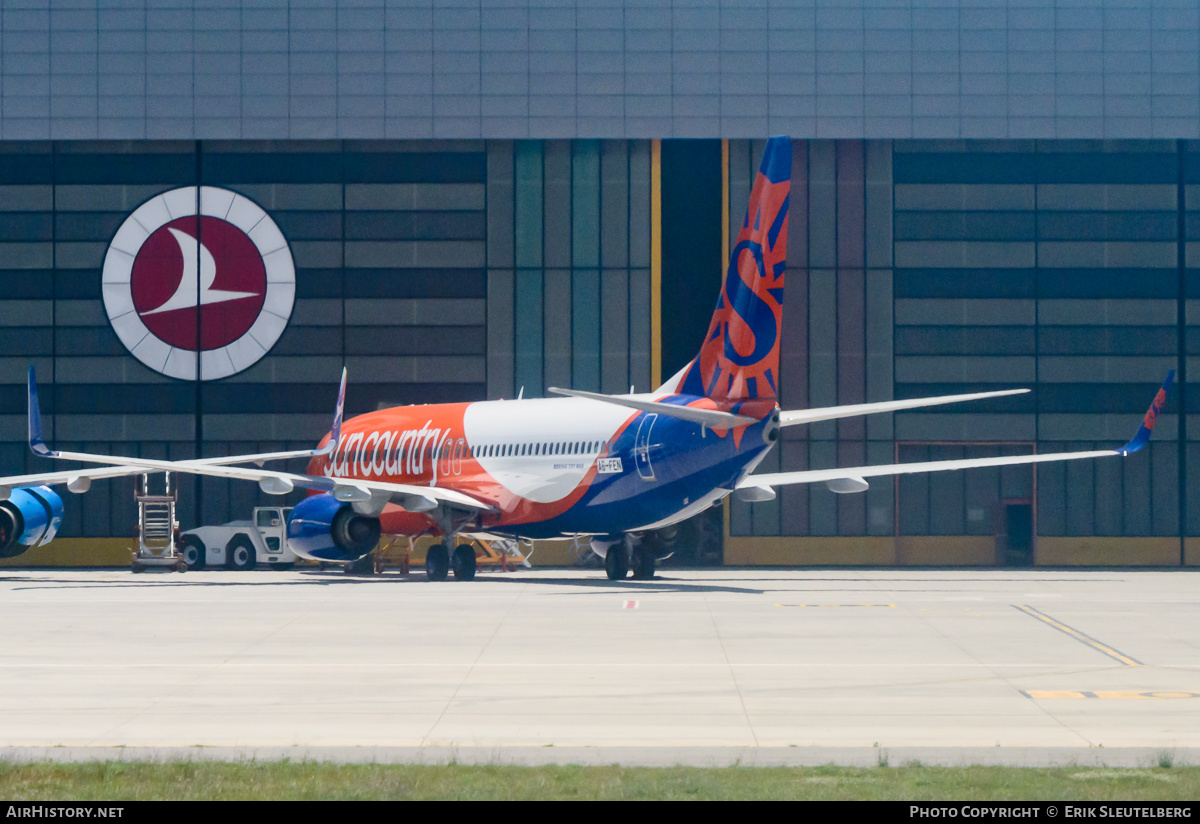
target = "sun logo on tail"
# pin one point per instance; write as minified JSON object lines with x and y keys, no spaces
{"x":739,"y":359}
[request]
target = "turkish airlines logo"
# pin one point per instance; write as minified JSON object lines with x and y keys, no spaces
{"x":199,"y":280}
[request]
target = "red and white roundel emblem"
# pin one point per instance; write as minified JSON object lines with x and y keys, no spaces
{"x":212,"y":286}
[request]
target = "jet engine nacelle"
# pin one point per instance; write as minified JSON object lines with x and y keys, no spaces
{"x":322,"y":528}
{"x":29,"y":517}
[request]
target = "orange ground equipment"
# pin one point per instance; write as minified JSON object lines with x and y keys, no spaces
{"x":501,"y":555}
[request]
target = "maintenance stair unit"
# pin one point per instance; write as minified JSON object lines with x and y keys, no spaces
{"x":158,"y":529}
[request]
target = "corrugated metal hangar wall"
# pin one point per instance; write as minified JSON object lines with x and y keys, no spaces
{"x":480,"y":196}
{"x":458,"y":270}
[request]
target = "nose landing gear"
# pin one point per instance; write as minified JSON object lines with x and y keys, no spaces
{"x":643,"y":564}
{"x":616,"y":562}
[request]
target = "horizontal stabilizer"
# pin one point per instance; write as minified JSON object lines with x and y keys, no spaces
{"x":712,"y":418}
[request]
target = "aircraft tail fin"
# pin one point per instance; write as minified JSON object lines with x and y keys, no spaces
{"x":739,"y":359}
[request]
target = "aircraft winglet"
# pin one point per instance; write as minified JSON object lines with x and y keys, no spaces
{"x":1143,"y":433}
{"x":37,"y":439}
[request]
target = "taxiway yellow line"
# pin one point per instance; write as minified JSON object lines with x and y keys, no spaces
{"x":882,"y":606}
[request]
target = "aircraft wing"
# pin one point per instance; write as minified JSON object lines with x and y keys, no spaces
{"x":713,"y":418}
{"x":854,"y":476}
{"x":123,"y":467}
{"x":829,"y":413}
{"x":371,"y":495}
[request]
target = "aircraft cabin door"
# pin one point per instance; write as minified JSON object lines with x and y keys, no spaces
{"x":641,"y":447}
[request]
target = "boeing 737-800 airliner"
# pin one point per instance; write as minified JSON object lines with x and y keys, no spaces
{"x":605,"y":466}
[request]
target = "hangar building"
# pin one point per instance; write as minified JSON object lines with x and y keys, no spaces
{"x":461,"y":200}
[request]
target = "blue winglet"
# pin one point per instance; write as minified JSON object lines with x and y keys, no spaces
{"x":37,"y":441}
{"x":1143,"y":433}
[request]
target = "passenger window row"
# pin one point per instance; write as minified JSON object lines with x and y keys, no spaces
{"x":553,"y":448}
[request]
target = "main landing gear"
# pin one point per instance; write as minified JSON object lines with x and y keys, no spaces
{"x":643,"y":564}
{"x":464,"y":562}
{"x":629,"y":552}
{"x":439,"y":560}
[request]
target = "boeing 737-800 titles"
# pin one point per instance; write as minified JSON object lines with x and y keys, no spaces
{"x":605,"y":466}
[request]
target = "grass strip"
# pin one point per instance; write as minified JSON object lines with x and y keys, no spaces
{"x":302,"y":781}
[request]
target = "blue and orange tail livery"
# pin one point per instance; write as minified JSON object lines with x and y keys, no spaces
{"x":739,"y":359}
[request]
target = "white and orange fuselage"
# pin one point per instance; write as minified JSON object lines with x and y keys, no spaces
{"x":551,"y":467}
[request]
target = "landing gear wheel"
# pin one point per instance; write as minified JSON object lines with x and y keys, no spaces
{"x":194,"y":553}
{"x":239,"y":555}
{"x":437,"y":562}
{"x":464,"y":562}
{"x":616,"y":562}
{"x":643,"y":564}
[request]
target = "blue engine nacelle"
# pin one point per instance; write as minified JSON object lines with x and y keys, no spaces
{"x":322,"y":528}
{"x":30,"y":517}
